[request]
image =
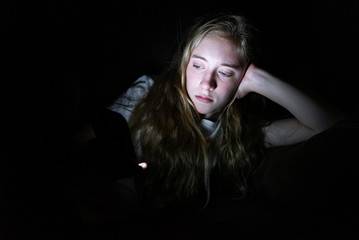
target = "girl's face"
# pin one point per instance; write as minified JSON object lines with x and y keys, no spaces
{"x":213,"y":75}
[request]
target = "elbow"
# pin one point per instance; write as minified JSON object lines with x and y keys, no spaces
{"x":327,"y":123}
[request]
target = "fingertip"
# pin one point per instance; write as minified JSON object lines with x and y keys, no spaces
{"x":143,"y":165}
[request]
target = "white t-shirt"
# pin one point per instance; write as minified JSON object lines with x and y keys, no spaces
{"x":126,"y":103}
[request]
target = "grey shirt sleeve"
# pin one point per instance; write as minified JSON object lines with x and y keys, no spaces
{"x":126,"y":103}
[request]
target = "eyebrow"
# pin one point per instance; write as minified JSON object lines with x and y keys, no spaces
{"x":223,"y":64}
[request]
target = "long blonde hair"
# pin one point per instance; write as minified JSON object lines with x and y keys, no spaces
{"x":179,"y":168}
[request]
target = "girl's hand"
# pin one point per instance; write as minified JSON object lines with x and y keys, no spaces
{"x":143,"y":165}
{"x":246,"y":85}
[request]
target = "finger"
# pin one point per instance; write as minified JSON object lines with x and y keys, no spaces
{"x":143,"y":165}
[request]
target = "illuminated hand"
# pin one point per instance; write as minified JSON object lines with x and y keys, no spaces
{"x":247,"y":82}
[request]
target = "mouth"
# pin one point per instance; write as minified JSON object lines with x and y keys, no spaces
{"x":204,"y":99}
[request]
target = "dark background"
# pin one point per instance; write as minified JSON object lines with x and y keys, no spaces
{"x":71,"y":55}
{"x":63,"y":58}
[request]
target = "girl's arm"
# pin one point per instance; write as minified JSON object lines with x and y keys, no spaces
{"x":310,"y":117}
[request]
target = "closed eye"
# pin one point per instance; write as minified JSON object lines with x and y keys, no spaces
{"x":196,"y":66}
{"x":224,"y":74}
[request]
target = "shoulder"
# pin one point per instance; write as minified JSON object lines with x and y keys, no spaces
{"x":286,"y":132}
{"x":140,"y":86}
{"x":126,"y":102}
{"x":137,"y":89}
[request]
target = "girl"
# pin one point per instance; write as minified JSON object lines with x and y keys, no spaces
{"x":200,"y":126}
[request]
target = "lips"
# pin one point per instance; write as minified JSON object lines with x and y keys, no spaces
{"x":204,"y":99}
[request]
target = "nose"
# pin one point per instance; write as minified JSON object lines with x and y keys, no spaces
{"x":208,"y":82}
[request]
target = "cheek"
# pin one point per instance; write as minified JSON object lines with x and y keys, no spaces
{"x":187,"y":77}
{"x":189,"y":82}
{"x":189,"y":87}
{"x":228,"y":91}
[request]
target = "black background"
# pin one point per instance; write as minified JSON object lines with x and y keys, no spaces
{"x":71,"y":55}
{"x":63,"y":58}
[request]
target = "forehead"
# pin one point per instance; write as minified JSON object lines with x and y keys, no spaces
{"x":214,"y":47}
